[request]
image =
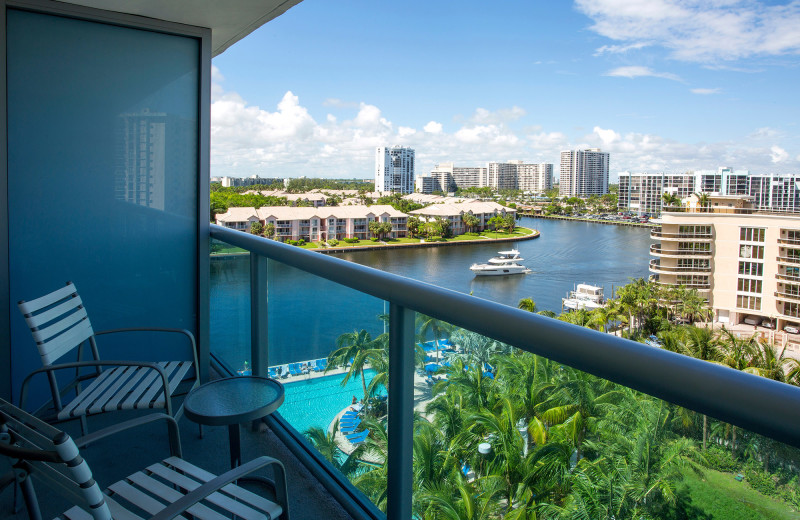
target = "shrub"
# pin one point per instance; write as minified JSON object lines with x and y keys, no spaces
{"x":301,"y":242}
{"x":333,"y":242}
{"x":292,"y":242}
{"x":720,"y":459}
{"x":351,"y":240}
{"x":760,"y":480}
{"x":374,"y":239}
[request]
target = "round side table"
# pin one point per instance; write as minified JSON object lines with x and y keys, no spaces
{"x":231,"y":401}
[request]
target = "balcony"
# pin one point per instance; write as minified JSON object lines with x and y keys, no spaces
{"x":788,"y":277}
{"x":694,"y":237}
{"x":790,"y":260}
{"x":700,"y":286}
{"x":656,"y":267}
{"x":789,"y":242}
{"x":658,"y":373}
{"x":657,"y":250}
{"x":781,"y":295}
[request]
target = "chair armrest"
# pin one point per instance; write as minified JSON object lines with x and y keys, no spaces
{"x":175,"y":449}
{"x":185,"y":332}
{"x":185,"y":502}
{"x":93,"y":363}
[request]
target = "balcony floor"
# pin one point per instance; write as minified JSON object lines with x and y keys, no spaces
{"x":118,"y":456}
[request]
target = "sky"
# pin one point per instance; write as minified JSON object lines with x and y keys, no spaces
{"x":663,"y":85}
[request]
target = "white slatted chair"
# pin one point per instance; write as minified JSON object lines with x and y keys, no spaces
{"x":39,"y":452}
{"x":60,"y":325}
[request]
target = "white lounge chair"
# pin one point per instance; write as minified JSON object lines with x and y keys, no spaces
{"x":60,"y":325}
{"x":40,"y":452}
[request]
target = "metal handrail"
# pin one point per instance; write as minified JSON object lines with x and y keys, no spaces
{"x":755,"y":403}
{"x":677,"y":252}
{"x":656,"y":266}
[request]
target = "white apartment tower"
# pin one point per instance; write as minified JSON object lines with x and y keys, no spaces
{"x":583,"y":173}
{"x":517,"y":175}
{"x":394,"y":169}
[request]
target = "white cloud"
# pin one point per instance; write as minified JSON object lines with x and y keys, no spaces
{"x":620,"y":49}
{"x":504,"y":115}
{"x":705,"y":91}
{"x":433,"y":127}
{"x":635,"y":71}
{"x":286,"y":141}
{"x":698,"y":30}
{"x":778,"y":154}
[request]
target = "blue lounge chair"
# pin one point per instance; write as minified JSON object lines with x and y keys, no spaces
{"x":355,"y":423}
{"x":321,"y":365}
{"x":350,"y":413}
{"x":358,"y":438}
{"x":273,"y":372}
{"x":348,"y":430}
{"x":294,"y":369}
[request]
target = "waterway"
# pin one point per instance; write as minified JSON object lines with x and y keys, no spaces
{"x":307,"y":314}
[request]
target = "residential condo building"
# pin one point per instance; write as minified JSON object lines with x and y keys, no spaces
{"x":394,"y":169}
{"x":583,"y":173}
{"x":744,"y":261}
{"x":643,"y":193}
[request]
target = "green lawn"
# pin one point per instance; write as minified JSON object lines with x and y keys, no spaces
{"x":718,"y":496}
{"x":360,"y":243}
{"x":310,"y":245}
{"x":391,"y":241}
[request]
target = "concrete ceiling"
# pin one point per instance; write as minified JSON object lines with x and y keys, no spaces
{"x":229,"y":20}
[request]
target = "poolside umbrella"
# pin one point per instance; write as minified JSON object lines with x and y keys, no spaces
{"x":431,"y":367}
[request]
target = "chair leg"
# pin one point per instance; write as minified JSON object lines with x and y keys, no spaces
{"x":84,"y":426}
{"x":29,"y":494}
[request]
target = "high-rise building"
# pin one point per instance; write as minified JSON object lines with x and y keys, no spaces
{"x":643,"y":192}
{"x":517,"y":175}
{"x":537,"y":178}
{"x":583,"y":173}
{"x":744,"y":261}
{"x":394,"y":169}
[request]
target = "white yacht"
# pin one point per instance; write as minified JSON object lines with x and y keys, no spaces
{"x":507,"y":262}
{"x":584,"y":296}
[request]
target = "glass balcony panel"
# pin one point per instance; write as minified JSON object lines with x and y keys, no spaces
{"x":229,"y":295}
{"x":328,"y":344}
{"x":499,"y":426}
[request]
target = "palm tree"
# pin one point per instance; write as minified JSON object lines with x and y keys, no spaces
{"x":354,"y":348}
{"x":701,"y":344}
{"x":325,"y":443}
{"x":428,"y":325}
{"x":703,"y":200}
{"x":527,"y":304}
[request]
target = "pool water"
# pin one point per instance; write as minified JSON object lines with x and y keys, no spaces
{"x":315,"y":402}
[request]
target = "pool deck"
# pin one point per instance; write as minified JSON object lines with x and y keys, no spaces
{"x":422,"y":396}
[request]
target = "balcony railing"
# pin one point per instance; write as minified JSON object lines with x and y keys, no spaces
{"x":656,"y":267}
{"x":788,"y":277}
{"x":789,"y":241}
{"x":787,"y":296}
{"x":755,"y":403}
{"x":788,"y":259}
{"x":704,"y":237}
{"x":700,"y":286}
{"x":659,"y":251}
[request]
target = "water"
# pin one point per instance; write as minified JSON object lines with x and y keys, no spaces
{"x":315,"y":402}
{"x":309,"y":313}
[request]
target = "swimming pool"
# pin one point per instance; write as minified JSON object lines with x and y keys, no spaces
{"x":315,"y":402}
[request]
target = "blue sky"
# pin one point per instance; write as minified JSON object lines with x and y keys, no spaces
{"x":663,"y":85}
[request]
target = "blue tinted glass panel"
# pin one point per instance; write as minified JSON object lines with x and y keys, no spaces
{"x":102,"y":176}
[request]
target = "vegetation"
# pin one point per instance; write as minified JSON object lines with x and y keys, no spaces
{"x":566,"y":444}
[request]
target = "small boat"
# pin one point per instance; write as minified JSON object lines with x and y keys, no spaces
{"x":507,"y":262}
{"x":584,"y":296}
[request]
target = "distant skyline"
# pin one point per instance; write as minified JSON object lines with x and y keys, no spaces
{"x":662,"y":85}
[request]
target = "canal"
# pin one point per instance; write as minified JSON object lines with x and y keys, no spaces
{"x":307,"y":314}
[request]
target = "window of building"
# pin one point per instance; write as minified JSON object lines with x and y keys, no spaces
{"x":694,"y":246}
{"x":793,"y":235}
{"x":750,"y":286}
{"x":791,"y":309}
{"x":751,"y":234}
{"x":748,"y":302}
{"x":751,"y":268}
{"x":747,"y":251}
